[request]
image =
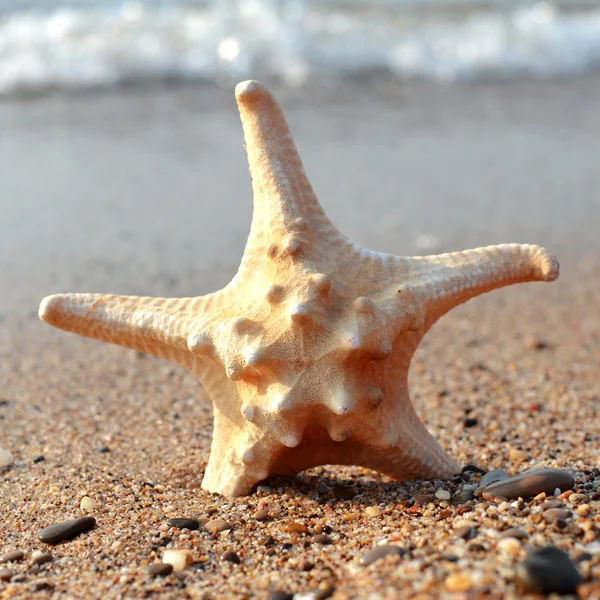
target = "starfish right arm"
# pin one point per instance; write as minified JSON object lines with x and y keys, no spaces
{"x":446,"y":280}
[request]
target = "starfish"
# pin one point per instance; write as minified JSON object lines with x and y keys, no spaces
{"x":305,"y":353}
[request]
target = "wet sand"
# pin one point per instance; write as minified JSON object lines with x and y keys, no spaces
{"x":148,"y":193}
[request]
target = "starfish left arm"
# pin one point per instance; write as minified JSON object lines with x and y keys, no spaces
{"x":158,"y":326}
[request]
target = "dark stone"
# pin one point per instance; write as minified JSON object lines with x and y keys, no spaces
{"x":5,"y":575}
{"x":185,"y":523}
{"x":231,"y":557}
{"x":14,"y":556}
{"x":552,"y":515}
{"x":38,"y":586}
{"x":464,"y":495}
{"x":513,"y":532}
{"x":343,"y":492}
{"x":551,"y":570}
{"x":473,"y":469}
{"x":470,"y":422}
{"x":66,"y":530}
{"x":277,"y":595}
{"x":322,"y":539}
{"x":380,"y":552}
{"x":423,"y":499}
{"x":42,"y":559}
{"x":38,"y":459}
{"x":103,"y":450}
{"x":530,"y":484}
{"x":466,"y":532}
{"x":160,"y":569}
{"x":493,"y":477}
{"x":306,"y":565}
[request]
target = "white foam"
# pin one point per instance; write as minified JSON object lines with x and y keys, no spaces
{"x":93,"y":44}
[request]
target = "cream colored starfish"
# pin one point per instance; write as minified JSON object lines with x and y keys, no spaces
{"x":305,"y":353}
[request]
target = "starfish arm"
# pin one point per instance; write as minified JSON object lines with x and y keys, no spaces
{"x":447,"y":280}
{"x":158,"y":326}
{"x":286,"y":211}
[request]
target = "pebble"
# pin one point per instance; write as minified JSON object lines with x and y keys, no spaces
{"x":509,"y":545}
{"x":530,"y":484}
{"x":554,"y":514}
{"x":493,"y":477}
{"x":465,"y":532}
{"x":41,"y":558}
{"x":458,"y":582}
{"x":423,"y":499}
{"x":53,"y":534}
{"x":372,"y":511}
{"x":261,"y":515}
{"x":551,"y":570}
{"x":306,"y":565}
{"x":5,"y":575}
{"x":6,"y":458}
{"x":380,"y":552}
{"x":295,"y":527}
{"x":577,"y":498}
{"x":473,"y":469}
{"x":160,"y":569}
{"x":514,"y":532}
{"x":38,"y":459}
{"x":217,"y":525}
{"x":464,"y":495}
{"x":179,"y":559}
{"x":231,"y":557}
{"x":88,"y":504}
{"x":13,"y":556}
{"x":278,"y":595}
{"x":343,"y":492}
{"x":185,"y":523}
{"x":442,"y":495}
{"x":322,"y":539}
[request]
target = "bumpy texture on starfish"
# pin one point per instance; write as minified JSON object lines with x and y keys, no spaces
{"x":305,"y":353}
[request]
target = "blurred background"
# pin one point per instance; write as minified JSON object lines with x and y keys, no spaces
{"x":425,"y":125}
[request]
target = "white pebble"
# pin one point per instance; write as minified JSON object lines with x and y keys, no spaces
{"x":88,"y":504}
{"x":372,"y":511}
{"x":6,"y":458}
{"x":180,"y":559}
{"x":510,"y":546}
{"x":442,"y":495}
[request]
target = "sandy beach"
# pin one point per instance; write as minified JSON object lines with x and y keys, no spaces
{"x":147,"y":192}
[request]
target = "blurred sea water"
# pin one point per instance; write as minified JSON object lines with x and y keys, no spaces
{"x":90,"y":44}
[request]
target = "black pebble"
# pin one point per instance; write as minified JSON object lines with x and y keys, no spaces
{"x":103,"y":450}
{"x":38,"y":459}
{"x":473,"y":469}
{"x":232,"y":557}
{"x":184,"y":523}
{"x":160,"y":569}
{"x":551,"y":570}
{"x":66,"y":530}
{"x":343,"y":492}
{"x":277,"y":595}
{"x":470,"y":422}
